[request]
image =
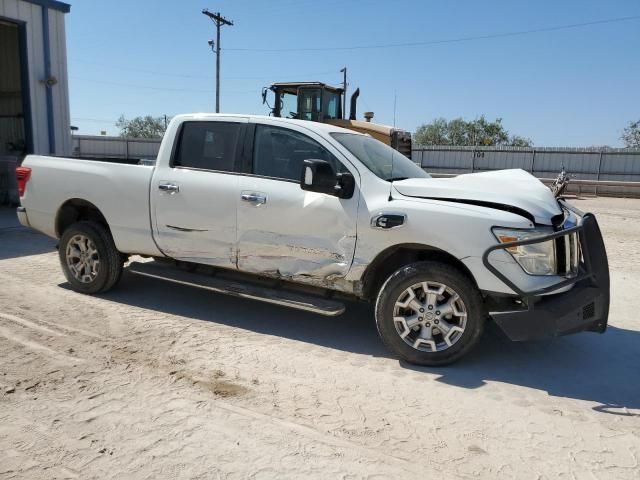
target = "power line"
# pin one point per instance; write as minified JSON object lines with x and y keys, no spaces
{"x":149,"y":87}
{"x":151,"y":72}
{"x":444,"y":41}
{"x":205,"y":77}
{"x":99,"y":120}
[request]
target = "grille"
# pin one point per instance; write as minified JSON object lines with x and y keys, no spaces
{"x":568,"y":254}
{"x":588,"y":311}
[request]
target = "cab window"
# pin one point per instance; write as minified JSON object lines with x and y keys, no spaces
{"x":207,"y":145}
{"x":331,"y":106}
{"x":279,"y":153}
{"x":309,"y":101}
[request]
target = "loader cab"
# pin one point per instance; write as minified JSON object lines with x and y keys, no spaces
{"x":319,"y":102}
{"x":314,"y":101}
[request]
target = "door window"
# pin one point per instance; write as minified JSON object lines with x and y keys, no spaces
{"x":331,"y":105}
{"x":207,"y":145}
{"x":309,"y":103}
{"x":280,"y":152}
{"x":289,"y":105}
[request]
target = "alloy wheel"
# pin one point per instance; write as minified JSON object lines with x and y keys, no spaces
{"x":430,"y":316}
{"x":83,"y":259}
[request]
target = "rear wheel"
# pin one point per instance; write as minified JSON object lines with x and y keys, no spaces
{"x":429,"y":313}
{"x":89,"y":258}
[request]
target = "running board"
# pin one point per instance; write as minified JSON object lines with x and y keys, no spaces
{"x":310,"y":303}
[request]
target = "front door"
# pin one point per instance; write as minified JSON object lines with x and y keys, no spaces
{"x":284,"y":231}
{"x":195,"y":196}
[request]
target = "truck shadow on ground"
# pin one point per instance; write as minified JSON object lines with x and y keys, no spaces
{"x":21,"y":242}
{"x":18,"y":241}
{"x":587,"y":366}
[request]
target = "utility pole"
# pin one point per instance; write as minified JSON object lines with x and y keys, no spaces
{"x":344,"y":93}
{"x":219,"y":20}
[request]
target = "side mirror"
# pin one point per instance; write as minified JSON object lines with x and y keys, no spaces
{"x":318,"y":176}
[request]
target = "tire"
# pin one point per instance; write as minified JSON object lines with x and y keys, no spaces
{"x":465,"y":312}
{"x":94,"y":277}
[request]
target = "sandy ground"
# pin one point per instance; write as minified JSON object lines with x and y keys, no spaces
{"x":158,"y":381}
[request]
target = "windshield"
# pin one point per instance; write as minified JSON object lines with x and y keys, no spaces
{"x":381,"y":159}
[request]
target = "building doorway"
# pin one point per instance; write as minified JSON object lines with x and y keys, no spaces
{"x":15,"y":122}
{"x":13,"y":96}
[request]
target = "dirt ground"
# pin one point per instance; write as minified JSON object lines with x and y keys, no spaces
{"x":154,"y":380}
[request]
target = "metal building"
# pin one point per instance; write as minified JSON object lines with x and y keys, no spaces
{"x":34,"y":92}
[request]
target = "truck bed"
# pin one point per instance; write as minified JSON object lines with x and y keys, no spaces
{"x":120,"y":191}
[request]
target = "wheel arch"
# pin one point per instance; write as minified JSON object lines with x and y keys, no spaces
{"x":75,"y":210}
{"x":397,"y":256}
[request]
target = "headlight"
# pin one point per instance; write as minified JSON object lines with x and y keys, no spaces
{"x":535,"y":259}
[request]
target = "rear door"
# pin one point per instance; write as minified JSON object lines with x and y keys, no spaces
{"x":284,"y":231}
{"x":194,"y":198}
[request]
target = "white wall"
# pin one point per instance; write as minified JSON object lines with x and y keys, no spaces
{"x":32,"y":15}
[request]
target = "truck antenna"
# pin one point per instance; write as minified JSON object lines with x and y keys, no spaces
{"x":393,"y":155}
{"x":395,"y":104}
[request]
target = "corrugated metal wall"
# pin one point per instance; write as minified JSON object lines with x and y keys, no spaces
{"x":621,"y":164}
{"x":31,"y":15}
{"x":585,"y":163}
{"x":61,"y":114}
{"x":115,"y":147}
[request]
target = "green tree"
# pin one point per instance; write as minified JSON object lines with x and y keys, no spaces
{"x":631,"y":135}
{"x":458,"y":131}
{"x":141,"y":127}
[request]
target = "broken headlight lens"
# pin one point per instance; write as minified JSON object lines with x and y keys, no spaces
{"x":536,"y":258}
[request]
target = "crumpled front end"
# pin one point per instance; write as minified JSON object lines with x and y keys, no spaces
{"x":583,"y":304}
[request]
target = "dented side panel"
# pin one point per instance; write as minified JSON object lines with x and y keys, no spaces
{"x":296,"y":235}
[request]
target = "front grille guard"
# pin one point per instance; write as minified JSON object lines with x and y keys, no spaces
{"x":585,"y":270}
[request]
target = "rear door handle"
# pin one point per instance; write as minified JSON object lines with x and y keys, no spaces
{"x":254,"y":198}
{"x":169,"y":187}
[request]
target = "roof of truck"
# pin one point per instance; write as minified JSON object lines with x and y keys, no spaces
{"x":323,"y":127}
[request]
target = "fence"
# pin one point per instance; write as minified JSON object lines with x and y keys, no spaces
{"x":589,"y":164}
{"x":115,"y":147}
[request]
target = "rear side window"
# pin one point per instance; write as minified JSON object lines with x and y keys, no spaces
{"x":280,"y":152}
{"x":207,"y":145}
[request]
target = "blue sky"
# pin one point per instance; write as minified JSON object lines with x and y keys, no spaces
{"x":573,"y":87}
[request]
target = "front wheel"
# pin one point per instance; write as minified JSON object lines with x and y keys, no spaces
{"x":89,"y":258}
{"x":429,"y":313}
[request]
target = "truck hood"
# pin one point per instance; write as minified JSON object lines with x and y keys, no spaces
{"x":511,"y":190}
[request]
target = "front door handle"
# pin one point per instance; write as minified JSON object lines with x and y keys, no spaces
{"x":169,"y":187}
{"x":254,"y":198}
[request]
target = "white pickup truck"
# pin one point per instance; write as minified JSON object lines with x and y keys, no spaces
{"x":306,"y":215}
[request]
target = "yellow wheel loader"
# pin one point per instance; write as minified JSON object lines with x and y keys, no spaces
{"x":319,"y":102}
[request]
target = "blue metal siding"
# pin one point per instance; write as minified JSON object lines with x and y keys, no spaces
{"x":46,"y":38}
{"x":53,"y":4}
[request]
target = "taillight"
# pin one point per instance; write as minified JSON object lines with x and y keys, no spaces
{"x":23,"y":174}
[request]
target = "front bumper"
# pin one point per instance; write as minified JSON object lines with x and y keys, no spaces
{"x":585,"y":307}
